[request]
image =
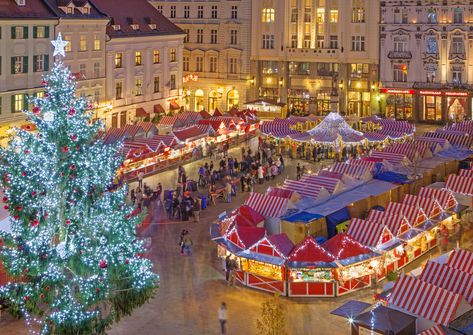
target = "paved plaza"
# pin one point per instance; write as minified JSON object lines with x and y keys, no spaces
{"x":192,"y":288}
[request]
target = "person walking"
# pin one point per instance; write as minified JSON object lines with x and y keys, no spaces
{"x":228,"y":189}
{"x":159,"y":191}
{"x":181,"y":241}
{"x":222,"y":318}
{"x":187,"y":241}
{"x":140,"y":179}
{"x":444,"y":236}
{"x":139,"y":198}
{"x":260,"y":174}
{"x":298,"y":171}
{"x":233,"y":270}
{"x":196,"y":210}
{"x":228,"y":260}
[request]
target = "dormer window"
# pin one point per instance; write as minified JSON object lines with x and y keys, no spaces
{"x":135,"y":26}
{"x":86,"y":10}
{"x":21,"y":2}
{"x":69,"y":10}
{"x":116,"y":27}
{"x":152,"y":26}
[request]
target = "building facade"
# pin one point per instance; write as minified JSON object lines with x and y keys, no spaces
{"x":25,"y":55}
{"x":216,"y":55}
{"x":301,"y":49}
{"x":426,"y":53}
{"x":143,"y":61}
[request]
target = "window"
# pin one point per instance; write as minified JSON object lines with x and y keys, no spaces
{"x":327,"y":69}
{"x":268,"y":41}
{"x":138,"y":86}
{"x":40,"y":63}
{"x":214,"y":12}
{"x":200,"y":36}
{"x":233,"y":65}
{"x":458,"y":15}
{"x":18,"y":103}
{"x":359,"y":70}
{"x":138,"y":60}
{"x":307,"y":40}
{"x":172,"y":82}
{"x":233,"y":37}
{"x":267,"y":15}
{"x":96,"y":70}
{"x":19,"y":64}
{"x":199,"y":64}
{"x":41,"y":32}
{"x":333,"y":42}
{"x":358,"y":43}
{"x":172,"y":54}
{"x":159,"y":9}
{"x":234,"y":13}
{"x":297,"y":68}
{"x":156,"y":56}
{"x":431,"y":45}
{"x":457,"y":76}
{"x":156,"y":84}
{"x":400,"y":72}
{"x":213,"y":64}
{"x":186,"y":38}
{"x":432,"y":16}
{"x":97,"y":96}
{"x":69,"y":10}
{"x":83,"y":43}
{"x":213,"y":36}
{"x":68,"y":47}
{"x":19,"y":32}
{"x":333,"y":15}
{"x":307,"y":14}
{"x":320,"y":15}
{"x":118,"y":90}
{"x":294,"y":41}
{"x":400,"y":44}
{"x":186,"y":12}
{"x":97,"y":45}
{"x":82,"y":71}
{"x":358,"y":15}
{"x":39,"y":95}
{"x":185,"y":63}
{"x":457,"y":45}
{"x":269,"y":67}
{"x":400,"y":16}
{"x":200,"y":12}
{"x":294,"y":14}
{"x":173,"y":12}
{"x":118,"y":60}
{"x":320,"y":42}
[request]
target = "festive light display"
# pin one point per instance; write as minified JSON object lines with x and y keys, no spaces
{"x":73,"y":245}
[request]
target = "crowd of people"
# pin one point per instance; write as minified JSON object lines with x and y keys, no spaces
{"x":320,"y":152}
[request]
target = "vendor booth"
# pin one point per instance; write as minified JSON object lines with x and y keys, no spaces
{"x":461,"y":259}
{"x":311,"y":270}
{"x":444,"y":197}
{"x":264,"y":263}
{"x":299,"y":225}
{"x":267,"y":109}
{"x":271,"y":207}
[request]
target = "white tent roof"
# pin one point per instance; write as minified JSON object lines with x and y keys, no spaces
{"x":334,"y":127}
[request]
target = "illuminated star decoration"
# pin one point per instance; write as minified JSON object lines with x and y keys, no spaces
{"x":59,"y":46}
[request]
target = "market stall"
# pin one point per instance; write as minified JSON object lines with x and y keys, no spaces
{"x":271,"y":207}
{"x":264,"y":263}
{"x":462,"y":187}
{"x":267,"y":109}
{"x":355,"y":171}
{"x":444,"y":197}
{"x":311,"y":270}
{"x":306,"y":189}
{"x":358,"y":264}
{"x":465,"y":173}
{"x":461,"y":259}
{"x":299,"y":225}
{"x":413,"y":214}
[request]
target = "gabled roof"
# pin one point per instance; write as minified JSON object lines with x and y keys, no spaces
{"x":33,"y":9}
{"x":250,"y":214}
{"x":94,"y":12}
{"x":309,"y":251}
{"x":343,"y":246}
{"x":139,"y":12}
{"x":245,"y":237}
{"x":461,"y":259}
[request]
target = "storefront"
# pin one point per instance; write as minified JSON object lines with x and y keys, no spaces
{"x":399,"y":103}
{"x":323,"y":103}
{"x":359,"y":103}
{"x":269,"y":93}
{"x":213,"y":96}
{"x":199,"y":100}
{"x":298,"y":101}
{"x":457,"y":106}
{"x":232,"y":99}
{"x":430,"y":106}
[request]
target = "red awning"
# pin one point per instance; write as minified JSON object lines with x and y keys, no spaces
{"x":158,"y":109}
{"x":140,"y":112}
{"x":174,"y":105}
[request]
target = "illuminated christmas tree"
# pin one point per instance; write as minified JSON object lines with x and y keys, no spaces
{"x":73,"y":247}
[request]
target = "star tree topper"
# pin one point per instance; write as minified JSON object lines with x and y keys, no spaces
{"x":59,"y":46}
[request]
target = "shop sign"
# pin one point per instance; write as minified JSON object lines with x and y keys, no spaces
{"x":190,"y":77}
{"x":430,"y":92}
{"x":457,"y":94}
{"x":396,"y":91}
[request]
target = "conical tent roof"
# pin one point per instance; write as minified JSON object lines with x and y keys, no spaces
{"x":333,"y":127}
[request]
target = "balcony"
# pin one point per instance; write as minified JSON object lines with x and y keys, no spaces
{"x":433,"y":55}
{"x":399,"y":55}
{"x":457,"y":55}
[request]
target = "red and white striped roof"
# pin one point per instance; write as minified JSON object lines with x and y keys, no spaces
{"x":302,"y":188}
{"x":410,"y":150}
{"x":414,"y":215}
{"x":461,"y":259}
{"x":396,"y":224}
{"x":424,"y":300}
{"x":436,"y":330}
{"x":133,"y":149}
{"x":374,"y":136}
{"x":444,"y":197}
{"x":361,"y":162}
{"x":168,"y":120}
{"x":432,"y":141}
{"x":392,"y":158}
{"x":189,"y":133}
{"x":367,"y":233}
{"x":113,"y":135}
{"x":449,"y":278}
{"x":354,"y":171}
{"x":277,"y":128}
{"x":460,"y":184}
{"x":278,"y":245}
{"x":430,"y":206}
{"x":375,"y":216}
{"x":146,"y":125}
{"x":330,"y":184}
{"x":267,"y":205}
{"x":465,"y":173}
{"x":453,"y":139}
